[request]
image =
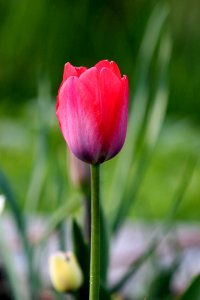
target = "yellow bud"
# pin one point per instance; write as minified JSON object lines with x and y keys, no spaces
{"x":65,"y":272}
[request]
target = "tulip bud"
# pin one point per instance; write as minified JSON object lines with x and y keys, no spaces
{"x":2,"y":203}
{"x":65,"y":272}
{"x":92,"y":110}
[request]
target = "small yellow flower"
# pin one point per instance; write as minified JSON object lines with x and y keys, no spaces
{"x":65,"y":272}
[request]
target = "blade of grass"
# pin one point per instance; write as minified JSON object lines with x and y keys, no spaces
{"x":193,"y":291}
{"x":157,"y":112}
{"x":82,"y":251}
{"x":61,"y":226}
{"x":60,"y":184}
{"x":38,"y":175}
{"x":104,"y":246}
{"x":41,"y":156}
{"x":130,"y":194}
{"x":6,"y":189}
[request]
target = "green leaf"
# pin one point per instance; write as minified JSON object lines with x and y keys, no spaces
{"x":160,"y":287}
{"x":82,"y":251}
{"x":39,"y":169}
{"x":104,"y":247}
{"x":13,"y":203}
{"x":193,"y":291}
{"x":104,"y":293}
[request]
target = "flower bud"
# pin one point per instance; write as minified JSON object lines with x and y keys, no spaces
{"x":65,"y":272}
{"x":92,"y":110}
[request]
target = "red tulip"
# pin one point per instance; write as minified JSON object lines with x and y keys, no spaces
{"x":92,"y":110}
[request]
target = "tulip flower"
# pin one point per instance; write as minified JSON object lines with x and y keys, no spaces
{"x":92,"y":110}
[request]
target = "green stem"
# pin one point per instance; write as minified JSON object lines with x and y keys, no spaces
{"x":95,"y":235}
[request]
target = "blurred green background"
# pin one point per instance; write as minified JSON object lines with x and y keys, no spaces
{"x":38,"y":37}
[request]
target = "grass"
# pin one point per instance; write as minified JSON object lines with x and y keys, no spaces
{"x":178,"y":144}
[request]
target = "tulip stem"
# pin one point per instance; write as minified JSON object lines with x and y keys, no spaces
{"x":95,"y":234}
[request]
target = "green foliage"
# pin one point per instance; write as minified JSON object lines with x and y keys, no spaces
{"x":38,"y":37}
{"x":82,"y":252}
{"x":193,"y":291}
{"x":160,"y":287}
{"x":104,"y":247}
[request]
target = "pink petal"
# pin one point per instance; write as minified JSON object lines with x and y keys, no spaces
{"x":78,"y":113}
{"x":70,"y":70}
{"x":110,"y":65}
{"x":80,"y":70}
{"x":114,"y":107}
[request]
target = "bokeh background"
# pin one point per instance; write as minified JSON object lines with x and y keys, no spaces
{"x":153,"y":184}
{"x":38,"y":37}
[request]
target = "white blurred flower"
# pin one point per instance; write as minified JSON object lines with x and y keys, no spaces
{"x":2,"y":203}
